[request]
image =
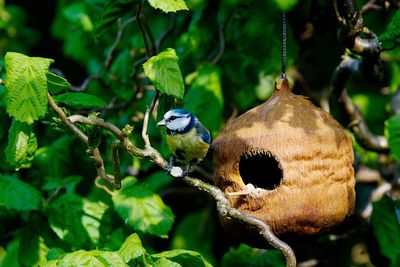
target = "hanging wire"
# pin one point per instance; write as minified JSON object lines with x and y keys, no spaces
{"x":283,"y":63}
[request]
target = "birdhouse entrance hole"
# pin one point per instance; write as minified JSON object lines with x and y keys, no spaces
{"x":261,"y":170}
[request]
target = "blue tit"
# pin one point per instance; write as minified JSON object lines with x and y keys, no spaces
{"x":187,"y":138}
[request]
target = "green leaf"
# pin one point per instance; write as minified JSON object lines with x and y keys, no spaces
{"x":163,"y":70}
{"x":206,"y":95}
{"x":79,"y":100}
{"x":21,"y":145}
{"x":168,"y":5}
{"x":17,"y":195}
{"x":157,"y":181}
{"x":92,"y":258}
{"x":132,"y":248}
{"x":11,"y":257}
{"x":163,"y":262}
{"x":195,"y":234}
{"x":111,"y":12}
{"x":386,"y":228}
{"x":122,"y":67}
{"x":184,"y":257}
{"x":69,"y":183}
{"x":248,"y":256}
{"x":392,"y":33}
{"x":26,"y":84}
{"x":142,"y":209}
{"x":32,"y":248}
{"x":54,"y":160}
{"x":76,"y":220}
{"x":55,"y":83}
{"x":392,"y":133}
{"x":55,"y":254}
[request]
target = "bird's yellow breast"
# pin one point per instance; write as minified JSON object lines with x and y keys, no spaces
{"x":187,"y":147}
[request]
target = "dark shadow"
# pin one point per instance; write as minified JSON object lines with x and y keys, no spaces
{"x":261,"y":170}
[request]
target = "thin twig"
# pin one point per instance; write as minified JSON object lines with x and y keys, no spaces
{"x":65,"y":120}
{"x":95,"y":154}
{"x":141,"y":29}
{"x":117,"y":40}
{"x":370,"y":5}
{"x":107,"y":61}
{"x":146,"y":120}
{"x":103,"y":187}
{"x":117,"y":165}
{"x":153,"y":50}
{"x":221,"y":49}
{"x":222,"y":202}
{"x":100,"y":123}
{"x":162,"y":37}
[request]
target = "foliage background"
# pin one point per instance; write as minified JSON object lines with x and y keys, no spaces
{"x":229,"y":57}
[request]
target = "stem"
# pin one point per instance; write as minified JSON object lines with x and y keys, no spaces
{"x":98,"y":122}
{"x":64,"y":119}
{"x":117,"y":165}
{"x":141,"y":29}
{"x":146,"y":120}
{"x":117,"y":40}
{"x":226,"y":210}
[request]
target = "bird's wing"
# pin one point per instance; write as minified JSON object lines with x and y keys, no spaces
{"x":203,"y":133}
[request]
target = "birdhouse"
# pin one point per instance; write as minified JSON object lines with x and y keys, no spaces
{"x":298,"y":158}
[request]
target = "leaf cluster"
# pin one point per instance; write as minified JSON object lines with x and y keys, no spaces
{"x":108,"y":60}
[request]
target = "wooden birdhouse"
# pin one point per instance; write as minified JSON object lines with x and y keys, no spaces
{"x":296,"y":155}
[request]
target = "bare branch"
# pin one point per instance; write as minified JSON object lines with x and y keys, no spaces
{"x":225,"y":209}
{"x":65,"y":120}
{"x":359,"y":127}
{"x":370,"y":5}
{"x":351,"y":25}
{"x":221,"y":49}
{"x":95,"y":154}
{"x":141,"y":29}
{"x":171,"y":26}
{"x":357,"y":124}
{"x":222,"y":202}
{"x":350,"y":66}
{"x":107,"y":61}
{"x":146,"y":120}
{"x":123,"y":142}
{"x":117,"y":40}
{"x":117,"y":165}
{"x":100,"y":123}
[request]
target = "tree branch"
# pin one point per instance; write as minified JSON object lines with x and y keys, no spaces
{"x":351,"y":25}
{"x":141,"y":29}
{"x":357,"y":124}
{"x":225,"y":209}
{"x":95,"y":153}
{"x":146,"y":120}
{"x":223,"y":205}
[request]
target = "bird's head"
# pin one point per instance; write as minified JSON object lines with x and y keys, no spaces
{"x":177,"y":120}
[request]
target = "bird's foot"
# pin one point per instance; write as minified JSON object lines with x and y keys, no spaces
{"x":177,"y":172}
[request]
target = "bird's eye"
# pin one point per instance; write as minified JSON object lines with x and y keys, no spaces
{"x":172,"y":118}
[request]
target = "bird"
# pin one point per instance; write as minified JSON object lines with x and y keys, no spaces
{"x":187,"y":139}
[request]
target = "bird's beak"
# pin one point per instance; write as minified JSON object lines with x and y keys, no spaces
{"x":162,"y":123}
